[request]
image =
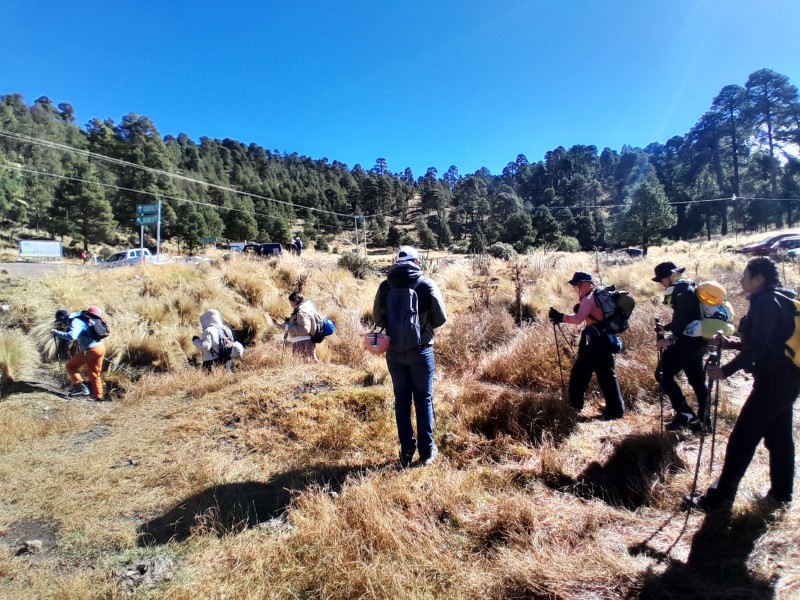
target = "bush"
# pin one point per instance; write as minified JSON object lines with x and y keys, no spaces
{"x":359,"y":266}
{"x":456,"y":249}
{"x":322,"y":244}
{"x":567,"y":243}
{"x":502,"y":251}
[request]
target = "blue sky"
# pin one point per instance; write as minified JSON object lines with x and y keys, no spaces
{"x":468,"y":83}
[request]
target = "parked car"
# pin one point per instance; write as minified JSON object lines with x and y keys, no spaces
{"x":263,"y":249}
{"x":784,"y":245}
{"x":762,"y":248}
{"x":127,"y":258}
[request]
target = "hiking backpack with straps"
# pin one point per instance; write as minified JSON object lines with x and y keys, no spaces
{"x":616,"y":305}
{"x":791,"y":347}
{"x":98,"y":329}
{"x":402,"y":317}
{"x":323,"y":328}
{"x":228,"y":346}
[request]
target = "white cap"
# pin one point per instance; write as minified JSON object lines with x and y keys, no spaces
{"x":407,"y":253}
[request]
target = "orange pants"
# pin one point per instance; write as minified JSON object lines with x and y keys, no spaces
{"x":93,"y":360}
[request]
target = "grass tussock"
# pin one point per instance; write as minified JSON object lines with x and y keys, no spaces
{"x":17,"y":358}
{"x":529,"y":359}
{"x":468,"y":336}
{"x":250,"y":286}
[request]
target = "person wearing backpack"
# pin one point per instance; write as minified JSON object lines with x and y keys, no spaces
{"x":767,"y":412}
{"x":298,"y":245}
{"x":679,"y":351}
{"x":91,"y":349}
{"x":410,"y":306}
{"x":596,"y":349}
{"x":217,"y":344}
{"x":302,"y":325}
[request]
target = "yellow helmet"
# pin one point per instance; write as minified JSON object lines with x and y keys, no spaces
{"x":711,"y":293}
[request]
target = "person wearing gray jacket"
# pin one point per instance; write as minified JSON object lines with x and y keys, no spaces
{"x":411,"y":364}
{"x":215,"y":335}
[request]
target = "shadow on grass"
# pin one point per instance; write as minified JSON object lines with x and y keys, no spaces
{"x":717,"y":562}
{"x":234,"y":507}
{"x":626,"y":479}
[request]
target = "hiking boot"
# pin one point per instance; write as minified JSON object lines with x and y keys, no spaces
{"x":405,"y":460}
{"x":79,"y":389}
{"x":679,"y":421}
{"x":698,"y":426}
{"x":426,"y":461}
{"x":709,"y":502}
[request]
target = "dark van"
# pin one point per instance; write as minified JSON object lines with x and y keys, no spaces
{"x":263,"y":249}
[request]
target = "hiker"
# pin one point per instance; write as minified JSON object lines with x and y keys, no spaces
{"x":83,"y":257}
{"x":90,"y":353}
{"x":216,"y":341}
{"x":679,"y":351}
{"x":301,"y":325}
{"x":410,"y":306}
{"x":767,"y":412}
{"x":298,"y":245}
{"x":596,"y":349}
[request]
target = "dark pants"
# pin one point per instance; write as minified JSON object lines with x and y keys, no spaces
{"x":412,"y":378}
{"x":767,"y":415}
{"x":685,"y":355}
{"x":594,"y":356}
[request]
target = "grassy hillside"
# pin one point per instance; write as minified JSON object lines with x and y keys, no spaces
{"x":280,"y":480}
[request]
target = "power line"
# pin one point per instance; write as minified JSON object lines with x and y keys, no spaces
{"x":19,"y":137}
{"x":157,"y":195}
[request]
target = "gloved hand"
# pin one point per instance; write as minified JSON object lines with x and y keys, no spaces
{"x":576,"y":308}
{"x":555,"y":316}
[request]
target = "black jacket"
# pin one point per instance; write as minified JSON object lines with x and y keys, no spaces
{"x":432,"y":312}
{"x":685,"y":307}
{"x":764,"y":330}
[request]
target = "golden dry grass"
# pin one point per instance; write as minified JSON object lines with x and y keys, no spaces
{"x":279,"y":480}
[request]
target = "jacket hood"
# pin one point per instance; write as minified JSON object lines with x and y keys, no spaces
{"x":403,"y":274}
{"x":211,"y":318}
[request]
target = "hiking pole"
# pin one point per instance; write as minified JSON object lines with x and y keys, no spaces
{"x":718,"y":360}
{"x":60,"y":365}
{"x":133,"y":375}
{"x":660,"y":336}
{"x":560,"y":368}
{"x":566,"y":340}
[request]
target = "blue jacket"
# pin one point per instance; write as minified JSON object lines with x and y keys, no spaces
{"x":78,"y":330}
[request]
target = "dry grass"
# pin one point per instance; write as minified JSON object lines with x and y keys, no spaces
{"x":279,"y":480}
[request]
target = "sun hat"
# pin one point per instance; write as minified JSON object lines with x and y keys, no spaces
{"x":580,"y":276}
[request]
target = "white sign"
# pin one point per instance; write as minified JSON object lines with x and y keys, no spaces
{"x":39,"y":249}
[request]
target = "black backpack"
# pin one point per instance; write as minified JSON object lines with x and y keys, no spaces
{"x":226,"y":341}
{"x":98,"y":329}
{"x":617,"y":307}
{"x":402,"y":317}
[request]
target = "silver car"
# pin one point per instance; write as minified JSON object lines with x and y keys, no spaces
{"x":127,"y":258}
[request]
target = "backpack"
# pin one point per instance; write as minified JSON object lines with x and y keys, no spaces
{"x":228,"y":346}
{"x":98,"y":330}
{"x":792,"y":344}
{"x":716,"y":312}
{"x":617,"y":307}
{"x":324,"y":328}
{"x":402,"y":317}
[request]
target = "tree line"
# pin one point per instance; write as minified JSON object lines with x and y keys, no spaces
{"x":738,"y":167}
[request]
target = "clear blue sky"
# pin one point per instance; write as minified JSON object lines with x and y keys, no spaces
{"x":421,"y":83}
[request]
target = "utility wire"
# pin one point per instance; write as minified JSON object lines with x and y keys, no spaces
{"x":19,"y":137}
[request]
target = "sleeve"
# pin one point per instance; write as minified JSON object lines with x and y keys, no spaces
{"x":207,"y":341}
{"x":301,"y":325}
{"x":377,"y":308}
{"x":438,"y":314}
{"x":763,"y":324}
{"x":583,"y":311}
{"x":75,"y":329}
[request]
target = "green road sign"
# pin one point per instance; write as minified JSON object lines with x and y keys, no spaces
{"x":147,"y":209}
{"x":209,"y":240}
{"x":147,"y":220}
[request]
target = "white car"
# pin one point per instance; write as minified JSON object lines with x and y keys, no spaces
{"x":127,"y":258}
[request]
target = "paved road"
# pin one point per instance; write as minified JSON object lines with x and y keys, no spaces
{"x":38,"y":269}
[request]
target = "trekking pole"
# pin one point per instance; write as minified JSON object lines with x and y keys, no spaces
{"x":133,"y":374}
{"x":560,"y":368}
{"x":660,"y":336}
{"x":718,"y":360}
{"x":60,"y":364}
{"x":566,"y":340}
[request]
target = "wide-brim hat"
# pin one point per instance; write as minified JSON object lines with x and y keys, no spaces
{"x":665,"y":269}
{"x":579,"y":277}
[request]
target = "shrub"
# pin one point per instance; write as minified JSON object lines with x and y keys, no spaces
{"x":502,"y":251}
{"x":322,"y":244}
{"x":359,"y":266}
{"x":567,"y":243}
{"x":17,"y":357}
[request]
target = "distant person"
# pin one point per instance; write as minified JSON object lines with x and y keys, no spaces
{"x":410,"y":306}
{"x":595,"y":350}
{"x":767,"y":412}
{"x":679,"y":351}
{"x":298,"y":245}
{"x":301,"y":325}
{"x":83,"y":257}
{"x":218,"y":344}
{"x":79,"y":326}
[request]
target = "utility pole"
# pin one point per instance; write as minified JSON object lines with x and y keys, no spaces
{"x":364,"y":231}
{"x":355,"y":220}
{"x":158,"y":234}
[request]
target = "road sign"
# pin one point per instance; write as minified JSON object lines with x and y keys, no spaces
{"x":147,"y":220}
{"x":208,"y":240}
{"x":147,"y":209}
